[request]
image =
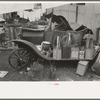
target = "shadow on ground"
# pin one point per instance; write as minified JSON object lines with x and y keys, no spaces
{"x":64,"y":71}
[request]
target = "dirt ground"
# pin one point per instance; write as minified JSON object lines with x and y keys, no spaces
{"x":64,"y":71}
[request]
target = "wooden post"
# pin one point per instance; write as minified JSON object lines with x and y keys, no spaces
{"x":51,"y":19}
{"x":10,"y":44}
{"x":76,"y":13}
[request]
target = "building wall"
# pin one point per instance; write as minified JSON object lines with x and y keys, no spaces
{"x":88,"y":14}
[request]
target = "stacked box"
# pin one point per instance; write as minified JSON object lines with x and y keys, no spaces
{"x":82,"y":67}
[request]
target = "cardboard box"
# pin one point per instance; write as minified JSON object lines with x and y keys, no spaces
{"x":82,"y":67}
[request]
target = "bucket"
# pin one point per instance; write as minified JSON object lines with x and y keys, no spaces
{"x":45,"y":45}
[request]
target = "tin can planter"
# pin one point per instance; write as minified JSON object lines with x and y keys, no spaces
{"x":81,"y":54}
{"x":74,"y":52}
{"x":89,"y":53}
{"x":66,"y":52}
{"x":57,"y":53}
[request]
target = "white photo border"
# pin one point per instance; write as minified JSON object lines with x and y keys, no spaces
{"x":55,"y":90}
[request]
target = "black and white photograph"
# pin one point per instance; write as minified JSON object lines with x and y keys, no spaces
{"x":49,"y":41}
{"x":49,"y":50}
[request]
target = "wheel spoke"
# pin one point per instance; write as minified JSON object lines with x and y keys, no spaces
{"x":16,"y":55}
{"x":24,"y":60}
{"x":24,"y":53}
{"x":14,"y":58}
{"x":27,"y":55}
{"x":16,"y":63}
{"x":20,"y":52}
{"x":13,"y":61}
